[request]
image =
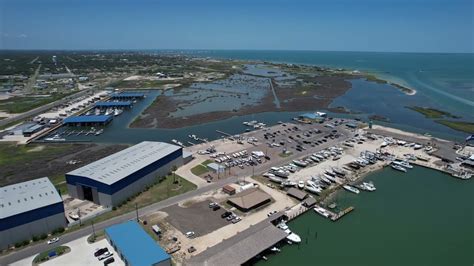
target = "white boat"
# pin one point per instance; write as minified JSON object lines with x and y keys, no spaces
{"x":98,"y":132}
{"x":275,"y":249}
{"x":301,"y":184}
{"x":56,"y":137}
{"x":325,"y":180}
{"x":292,"y":236}
{"x":367,"y":186}
{"x":404,"y":164}
{"x":323,"y":212}
{"x":275,"y":179}
{"x":351,"y":189}
{"x":289,"y":183}
{"x":330,"y":178}
{"x":398,"y":168}
{"x":117,"y":112}
{"x":313,"y":189}
{"x":283,"y":226}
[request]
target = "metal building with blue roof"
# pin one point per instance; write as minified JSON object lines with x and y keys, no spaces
{"x":84,"y":120}
{"x":135,"y":246}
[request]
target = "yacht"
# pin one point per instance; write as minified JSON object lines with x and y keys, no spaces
{"x":301,"y":184}
{"x":367,"y":186}
{"x":404,"y":164}
{"x":351,"y":189}
{"x":330,"y":178}
{"x":323,"y":212}
{"x":98,"y":132}
{"x":294,"y":238}
{"x":56,"y":137}
{"x":325,"y":180}
{"x":275,"y":179}
{"x":398,"y":168}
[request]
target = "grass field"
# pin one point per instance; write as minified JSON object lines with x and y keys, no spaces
{"x":431,"y":112}
{"x":199,"y":169}
{"x":22,"y":104}
{"x":467,"y":127}
{"x":43,"y":256}
{"x":164,"y":189}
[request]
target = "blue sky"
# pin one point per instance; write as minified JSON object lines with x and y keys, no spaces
{"x":335,"y":25}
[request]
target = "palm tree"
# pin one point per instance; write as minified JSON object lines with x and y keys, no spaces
{"x":173,"y":170}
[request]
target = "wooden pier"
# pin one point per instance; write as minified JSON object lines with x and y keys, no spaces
{"x":339,"y":215}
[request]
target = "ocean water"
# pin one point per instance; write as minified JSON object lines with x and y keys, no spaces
{"x":423,"y":217}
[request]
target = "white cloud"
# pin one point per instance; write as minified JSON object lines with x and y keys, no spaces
{"x":22,"y":36}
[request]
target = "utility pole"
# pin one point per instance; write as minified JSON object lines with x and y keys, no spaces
{"x":93,"y":229}
{"x":136,"y":210}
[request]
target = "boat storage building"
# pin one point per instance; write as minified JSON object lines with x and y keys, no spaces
{"x":113,"y":179}
{"x":28,"y":209}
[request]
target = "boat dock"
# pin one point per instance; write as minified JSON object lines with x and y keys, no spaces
{"x":337,"y":216}
{"x":223,"y":133}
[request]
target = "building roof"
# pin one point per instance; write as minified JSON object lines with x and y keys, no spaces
{"x":296,"y":193}
{"x":310,"y":116}
{"x":27,"y":196}
{"x":117,"y":166}
{"x":241,"y":247}
{"x":128,"y":94}
{"x":88,"y":119}
{"x":135,"y":244}
{"x":309,"y":201}
{"x":215,"y":166}
{"x":33,"y":129}
{"x":113,"y":104}
{"x":249,"y":198}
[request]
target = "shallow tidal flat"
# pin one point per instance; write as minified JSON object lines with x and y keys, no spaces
{"x":259,"y":88}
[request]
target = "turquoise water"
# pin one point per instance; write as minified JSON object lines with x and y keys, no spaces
{"x":423,"y":217}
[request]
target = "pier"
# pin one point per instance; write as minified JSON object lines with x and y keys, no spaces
{"x":339,"y":215}
{"x":243,"y":246}
{"x":223,"y":133}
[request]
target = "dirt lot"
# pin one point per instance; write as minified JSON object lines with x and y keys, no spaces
{"x":198,"y":218}
{"x":22,"y":163}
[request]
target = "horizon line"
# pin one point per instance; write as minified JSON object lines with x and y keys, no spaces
{"x":227,"y":49}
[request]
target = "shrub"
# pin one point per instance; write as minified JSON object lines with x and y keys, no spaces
{"x":43,"y":236}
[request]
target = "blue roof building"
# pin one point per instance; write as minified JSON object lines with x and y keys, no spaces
{"x":83,"y":120}
{"x":113,"y":104}
{"x":135,"y":246}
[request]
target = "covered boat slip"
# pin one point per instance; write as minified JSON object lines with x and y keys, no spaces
{"x":241,"y":247}
{"x":87,"y":120}
{"x":121,"y":104}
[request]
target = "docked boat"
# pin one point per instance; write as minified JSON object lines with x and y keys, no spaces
{"x":323,"y":212}
{"x":404,"y":164}
{"x":281,"y":173}
{"x":117,"y":112}
{"x":56,"y":137}
{"x":275,"y":249}
{"x":315,"y":159}
{"x":367,"y":186}
{"x":398,"y":168}
{"x":294,"y":238}
{"x":325,"y":180}
{"x":98,"y":132}
{"x":351,"y":189}
{"x":339,"y":171}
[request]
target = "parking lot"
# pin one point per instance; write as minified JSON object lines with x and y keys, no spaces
{"x":198,"y":218}
{"x":277,"y":145}
{"x":82,"y":253}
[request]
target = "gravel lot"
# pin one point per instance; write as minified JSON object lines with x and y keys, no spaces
{"x":198,"y":218}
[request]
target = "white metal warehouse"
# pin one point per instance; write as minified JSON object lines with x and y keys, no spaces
{"x":28,"y":209}
{"x":111,"y":180}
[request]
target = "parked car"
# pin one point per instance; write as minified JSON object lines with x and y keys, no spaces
{"x":190,"y":234}
{"x":226,"y":214}
{"x":212,"y":204}
{"x":216,"y":207}
{"x":105,"y":255}
{"x":236,"y":220}
{"x":271,"y":213}
{"x":100,"y":251}
{"x":109,"y":260}
{"x":53,"y":240}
